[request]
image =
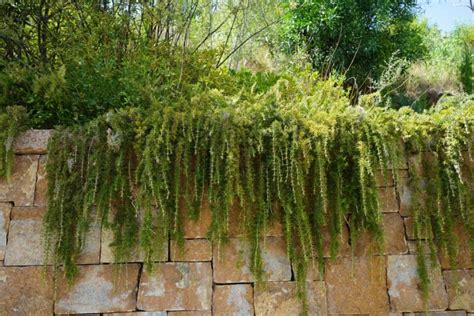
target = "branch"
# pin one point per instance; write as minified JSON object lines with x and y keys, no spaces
{"x":220,"y":63}
{"x":211,"y":33}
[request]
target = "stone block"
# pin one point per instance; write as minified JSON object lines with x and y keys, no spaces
{"x":388,"y":202}
{"x":357,"y":286}
{"x":394,"y":234}
{"x":412,"y":247}
{"x":138,"y":314}
{"x":21,"y":187}
{"x":312,"y":274}
{"x":107,"y":254}
{"x":190,"y":313}
{"x":405,"y":193}
{"x":193,"y":250}
{"x":403,"y":284}
{"x":382,"y":180}
{"x":90,"y":253}
{"x":410,"y":229}
{"x":233,"y":300}
{"x":460,"y":284}
{"x":445,"y":313}
{"x":5,"y":209}
{"x":200,"y":227}
{"x":25,"y":291}
{"x":232,"y":261}
{"x":41,"y":191}
{"x":280,"y":299}
{"x":344,"y":246}
{"x":98,"y":289}
{"x":394,"y":238}
{"x":176,"y":286}
{"x":463,"y":259}
{"x":237,"y":222}
{"x":25,"y":245}
{"x":33,"y":141}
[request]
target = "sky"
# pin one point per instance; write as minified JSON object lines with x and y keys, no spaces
{"x":446,"y":13}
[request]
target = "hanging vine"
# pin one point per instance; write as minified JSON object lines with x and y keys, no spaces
{"x":13,"y":121}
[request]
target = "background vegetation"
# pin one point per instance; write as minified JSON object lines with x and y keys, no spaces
{"x":69,"y":61}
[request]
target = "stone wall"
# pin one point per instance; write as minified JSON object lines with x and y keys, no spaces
{"x":205,"y":280}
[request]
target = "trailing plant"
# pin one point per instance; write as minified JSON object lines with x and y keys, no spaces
{"x":13,"y":121}
{"x":294,"y":151}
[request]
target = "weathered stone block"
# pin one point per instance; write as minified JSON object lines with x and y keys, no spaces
{"x":41,"y":191}
{"x":410,"y":229}
{"x":460,"y":285}
{"x":90,"y":253}
{"x":98,"y":289}
{"x":463,"y":259}
{"x":445,"y":313}
{"x":394,"y":238}
{"x":21,"y":188}
{"x":25,"y":291}
{"x":403,"y":283}
{"x":394,"y":234}
{"x":25,"y":246}
{"x":5,"y":209}
{"x":234,"y":299}
{"x":107,"y":254}
{"x":176,"y":286}
{"x":232,"y":261}
{"x":33,"y":141}
{"x":312,"y":274}
{"x":139,"y":314}
{"x":200,"y":227}
{"x":405,"y":195}
{"x":388,"y":202}
{"x":237,"y":222}
{"x":280,"y":299}
{"x":357,"y":286}
{"x":382,"y":180}
{"x":344,"y":246}
{"x":412,"y":247}
{"x":409,"y":226}
{"x":190,"y":313}
{"x":193,"y":250}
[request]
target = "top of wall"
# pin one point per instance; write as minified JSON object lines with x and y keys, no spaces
{"x":33,"y":142}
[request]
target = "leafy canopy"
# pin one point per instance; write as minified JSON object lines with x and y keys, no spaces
{"x":356,"y":37}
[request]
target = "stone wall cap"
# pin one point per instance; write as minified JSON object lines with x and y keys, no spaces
{"x":33,"y":141}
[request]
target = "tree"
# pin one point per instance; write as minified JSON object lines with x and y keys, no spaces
{"x":354,"y":37}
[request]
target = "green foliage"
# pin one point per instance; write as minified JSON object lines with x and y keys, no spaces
{"x":295,"y":152}
{"x":13,"y":121}
{"x":68,"y":62}
{"x":355,"y":37}
{"x":465,"y":70}
{"x":445,"y":70}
